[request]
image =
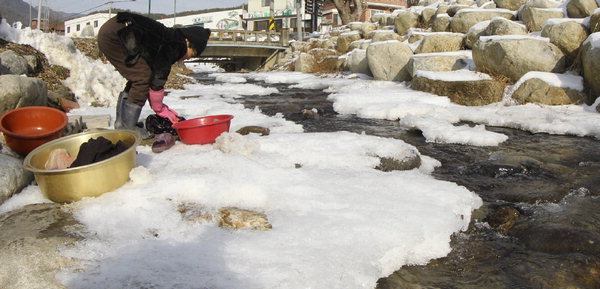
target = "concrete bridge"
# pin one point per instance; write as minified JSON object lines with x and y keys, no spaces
{"x":240,"y":49}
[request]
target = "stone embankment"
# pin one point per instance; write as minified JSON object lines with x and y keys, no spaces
{"x":474,"y":52}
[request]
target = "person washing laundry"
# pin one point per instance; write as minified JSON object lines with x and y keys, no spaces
{"x":143,"y":50}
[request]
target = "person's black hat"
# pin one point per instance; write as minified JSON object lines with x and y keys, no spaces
{"x":198,"y":37}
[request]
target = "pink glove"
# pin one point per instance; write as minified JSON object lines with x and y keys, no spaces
{"x":161,"y":109}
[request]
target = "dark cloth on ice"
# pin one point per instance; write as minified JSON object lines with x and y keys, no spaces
{"x":157,"y":124}
{"x":96,"y":150}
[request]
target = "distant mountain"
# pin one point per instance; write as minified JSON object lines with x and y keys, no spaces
{"x":18,"y":10}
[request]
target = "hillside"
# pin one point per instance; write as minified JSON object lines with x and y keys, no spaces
{"x":18,"y":10}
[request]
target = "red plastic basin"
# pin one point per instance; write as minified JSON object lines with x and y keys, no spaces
{"x":203,"y":130}
{"x":28,"y":127}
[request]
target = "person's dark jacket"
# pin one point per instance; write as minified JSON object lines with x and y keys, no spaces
{"x":158,"y":45}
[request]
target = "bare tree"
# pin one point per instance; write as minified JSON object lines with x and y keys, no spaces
{"x":350,"y":10}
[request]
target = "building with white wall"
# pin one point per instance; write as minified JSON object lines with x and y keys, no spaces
{"x":227,"y":19}
{"x":86,"y":25}
{"x":284,"y":14}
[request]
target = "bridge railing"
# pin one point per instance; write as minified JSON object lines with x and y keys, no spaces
{"x":240,"y":37}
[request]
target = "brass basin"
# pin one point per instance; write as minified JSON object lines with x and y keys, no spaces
{"x":73,"y":184}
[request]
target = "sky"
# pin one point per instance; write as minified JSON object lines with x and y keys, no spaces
{"x":156,"y":6}
{"x":336,"y":221}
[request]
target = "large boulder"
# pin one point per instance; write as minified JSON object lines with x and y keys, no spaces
{"x":590,"y":62}
{"x":382,"y":19}
{"x":367,"y":27}
{"x":342,"y":63}
{"x":12,"y":63}
{"x":34,"y":64}
{"x":496,"y":26}
{"x":354,"y":26}
{"x":442,"y":9}
{"x":475,"y":32}
{"x":595,"y":22}
{"x":466,"y":18}
{"x":566,"y":35}
{"x":30,"y":239}
{"x":454,"y":8}
{"x":324,"y":60}
{"x":359,"y":44}
{"x":325,"y":43}
{"x":357,"y":61}
{"x":427,"y":14}
{"x":503,"y":26}
{"x":440,"y":23}
{"x":389,"y":60}
{"x":514,"y":56}
{"x":383,"y":35}
{"x":462,"y":87}
{"x":446,"y":61}
{"x":548,"y":88}
{"x":362,"y":27}
{"x":485,"y":4}
{"x":304,"y":63}
{"x":510,"y":4}
{"x":18,"y":91}
{"x":535,"y":18}
{"x":465,"y":2}
{"x":405,"y":20}
{"x":540,"y":4}
{"x":300,"y":46}
{"x":344,"y":40}
{"x":13,"y":176}
{"x":441,"y":42}
{"x":581,"y":8}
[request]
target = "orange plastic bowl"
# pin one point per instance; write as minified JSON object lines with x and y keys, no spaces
{"x":202,"y":130}
{"x":28,"y":127}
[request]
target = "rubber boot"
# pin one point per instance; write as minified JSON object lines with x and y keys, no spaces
{"x":129,"y":114}
{"x":122,"y":99}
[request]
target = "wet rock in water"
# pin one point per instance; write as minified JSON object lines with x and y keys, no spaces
{"x":290,"y":108}
{"x":503,"y":219}
{"x":30,"y":238}
{"x":234,"y":218}
{"x":474,"y":264}
{"x":557,"y":238}
{"x":310,"y":113}
{"x":391,"y":164}
{"x":254,"y":129}
{"x":305,"y":114}
{"x":528,"y":181}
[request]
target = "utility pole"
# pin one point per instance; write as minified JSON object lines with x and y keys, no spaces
{"x":39,"y":18}
{"x":149,"y":5}
{"x":30,"y":14}
{"x":299,"y":22}
{"x":174,"y":12}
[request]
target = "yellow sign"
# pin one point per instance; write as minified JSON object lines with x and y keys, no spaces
{"x":272,"y":23}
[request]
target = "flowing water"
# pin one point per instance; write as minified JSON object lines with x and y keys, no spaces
{"x":539,"y":226}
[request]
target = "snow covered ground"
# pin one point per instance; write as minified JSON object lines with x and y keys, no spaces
{"x":337,"y":222}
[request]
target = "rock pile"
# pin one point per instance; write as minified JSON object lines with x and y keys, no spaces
{"x":535,"y":51}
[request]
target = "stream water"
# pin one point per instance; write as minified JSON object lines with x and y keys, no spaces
{"x":539,"y":226}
